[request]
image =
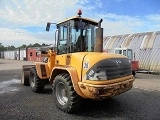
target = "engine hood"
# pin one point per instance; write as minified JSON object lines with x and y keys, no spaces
{"x":105,"y":66}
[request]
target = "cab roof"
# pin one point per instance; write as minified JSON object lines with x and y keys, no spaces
{"x":77,"y":18}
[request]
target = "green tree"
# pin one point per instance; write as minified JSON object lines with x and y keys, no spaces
{"x":30,"y":45}
{"x":10,"y":48}
{"x":23,"y":46}
{"x":36,"y":45}
{"x":2,"y":48}
{"x":44,"y":44}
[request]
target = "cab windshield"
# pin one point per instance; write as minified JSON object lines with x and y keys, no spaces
{"x":82,"y":36}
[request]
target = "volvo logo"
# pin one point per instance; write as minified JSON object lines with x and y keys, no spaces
{"x":118,"y":61}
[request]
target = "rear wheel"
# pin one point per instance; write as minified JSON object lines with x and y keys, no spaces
{"x":25,"y":78}
{"x":37,"y":84}
{"x":65,"y":96}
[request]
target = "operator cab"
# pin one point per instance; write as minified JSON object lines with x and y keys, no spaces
{"x":75,"y":34}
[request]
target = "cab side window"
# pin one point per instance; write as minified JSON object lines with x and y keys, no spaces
{"x":62,"y":43}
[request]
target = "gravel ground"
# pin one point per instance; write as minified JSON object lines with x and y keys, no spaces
{"x":147,"y":82}
{"x":18,"y":102}
{"x":13,"y":64}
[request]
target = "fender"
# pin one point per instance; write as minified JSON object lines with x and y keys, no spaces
{"x":42,"y":70}
{"x":74,"y":77}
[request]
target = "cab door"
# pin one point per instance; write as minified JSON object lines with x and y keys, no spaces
{"x":63,"y":58}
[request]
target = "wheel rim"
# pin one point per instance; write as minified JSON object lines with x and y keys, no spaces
{"x":61,"y":93}
{"x":32,"y":80}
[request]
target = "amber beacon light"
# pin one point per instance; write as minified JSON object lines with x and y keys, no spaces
{"x":79,"y":12}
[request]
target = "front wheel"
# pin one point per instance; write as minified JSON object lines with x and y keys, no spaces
{"x":25,"y":78}
{"x":65,"y":96}
{"x":37,"y":84}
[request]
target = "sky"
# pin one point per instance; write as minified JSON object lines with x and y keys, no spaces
{"x":24,"y":21}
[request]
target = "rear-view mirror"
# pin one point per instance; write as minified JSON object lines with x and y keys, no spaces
{"x":48,"y":26}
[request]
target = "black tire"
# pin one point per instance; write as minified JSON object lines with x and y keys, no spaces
{"x":37,"y":84}
{"x":133,"y":73}
{"x":25,"y":78}
{"x":65,"y":96}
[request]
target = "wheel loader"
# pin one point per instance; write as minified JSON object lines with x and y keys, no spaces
{"x":78,"y":68}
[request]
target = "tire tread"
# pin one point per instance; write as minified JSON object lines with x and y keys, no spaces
{"x":75,"y":99}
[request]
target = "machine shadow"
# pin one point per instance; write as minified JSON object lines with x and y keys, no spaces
{"x":109,"y":108}
{"x":47,"y":89}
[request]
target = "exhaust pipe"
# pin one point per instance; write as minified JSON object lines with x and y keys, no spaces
{"x":99,"y":38}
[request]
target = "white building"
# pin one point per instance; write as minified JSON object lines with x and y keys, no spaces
{"x":146,"y":47}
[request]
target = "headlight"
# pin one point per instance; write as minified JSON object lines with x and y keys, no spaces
{"x":101,"y":75}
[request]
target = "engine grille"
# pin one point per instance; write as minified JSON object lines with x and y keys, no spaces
{"x":113,"y":72}
{"x":112,"y":68}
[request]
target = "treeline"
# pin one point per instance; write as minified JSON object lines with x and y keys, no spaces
{"x":4,"y":48}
